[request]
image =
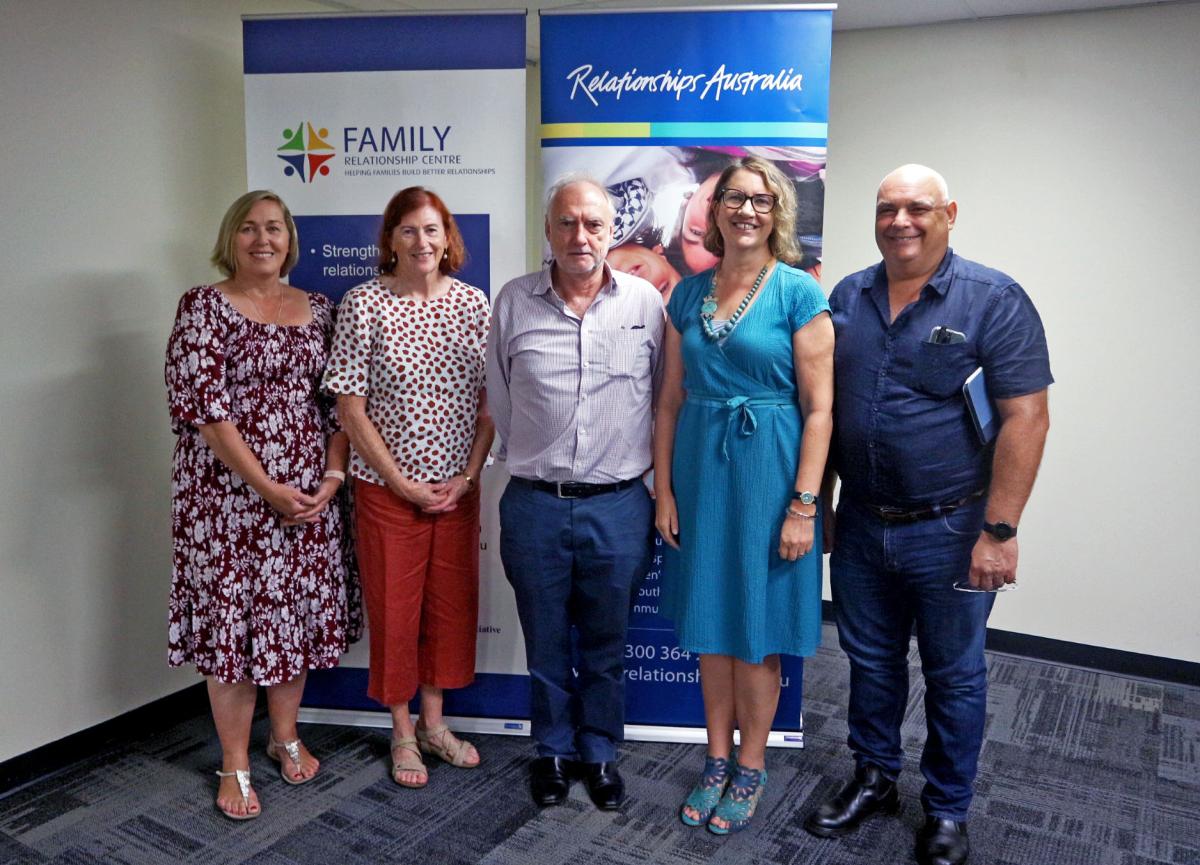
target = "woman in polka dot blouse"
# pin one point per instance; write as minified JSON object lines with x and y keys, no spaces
{"x":407,"y":368}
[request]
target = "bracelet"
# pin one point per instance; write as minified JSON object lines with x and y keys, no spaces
{"x":470,"y":481}
{"x":334,"y":473}
{"x":792,"y":512}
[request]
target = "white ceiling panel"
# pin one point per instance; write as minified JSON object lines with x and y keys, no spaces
{"x":861,"y":14}
{"x":850,"y":15}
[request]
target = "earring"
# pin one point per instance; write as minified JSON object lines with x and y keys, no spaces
{"x":392,"y":261}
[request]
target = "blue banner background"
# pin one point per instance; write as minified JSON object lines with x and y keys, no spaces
{"x":787,"y":126}
{"x":694,"y":42}
{"x":313,"y":270}
{"x":382,"y":43}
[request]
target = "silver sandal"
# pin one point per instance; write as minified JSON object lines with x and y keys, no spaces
{"x":243,"y":782}
{"x":292,"y":749}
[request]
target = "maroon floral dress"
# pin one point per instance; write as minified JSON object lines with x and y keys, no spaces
{"x":252,"y":599}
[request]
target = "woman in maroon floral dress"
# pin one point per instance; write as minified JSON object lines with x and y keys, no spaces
{"x":263,"y":586}
{"x":407,"y":368}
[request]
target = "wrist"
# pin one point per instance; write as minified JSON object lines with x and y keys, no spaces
{"x":804,"y":497}
{"x":265,"y":488}
{"x":999,"y":531}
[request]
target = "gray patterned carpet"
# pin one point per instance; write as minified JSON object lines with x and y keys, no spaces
{"x":1079,"y":768}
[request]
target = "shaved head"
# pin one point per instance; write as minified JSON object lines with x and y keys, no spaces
{"x":913,"y":218}
{"x":915,"y":174}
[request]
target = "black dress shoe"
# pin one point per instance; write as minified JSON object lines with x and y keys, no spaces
{"x":865,"y":795}
{"x":604,"y":784}
{"x":549,"y":780}
{"x":942,"y":842}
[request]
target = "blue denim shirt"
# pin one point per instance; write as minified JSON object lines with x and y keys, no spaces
{"x":902,"y":434}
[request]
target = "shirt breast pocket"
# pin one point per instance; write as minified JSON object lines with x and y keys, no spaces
{"x":627,"y":351}
{"x":941,"y":369}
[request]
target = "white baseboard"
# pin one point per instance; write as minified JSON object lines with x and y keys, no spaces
{"x":520,"y":727}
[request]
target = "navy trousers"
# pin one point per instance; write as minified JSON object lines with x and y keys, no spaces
{"x":886,"y":577}
{"x":574,"y":565}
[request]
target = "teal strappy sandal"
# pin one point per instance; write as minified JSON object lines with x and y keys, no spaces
{"x":737,"y":806}
{"x":704,"y":796}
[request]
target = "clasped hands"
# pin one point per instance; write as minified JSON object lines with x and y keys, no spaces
{"x":435,"y":498}
{"x":296,"y":507}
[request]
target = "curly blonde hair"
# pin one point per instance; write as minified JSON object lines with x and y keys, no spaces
{"x":782,"y":242}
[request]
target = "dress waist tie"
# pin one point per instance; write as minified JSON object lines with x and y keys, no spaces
{"x":741,"y":411}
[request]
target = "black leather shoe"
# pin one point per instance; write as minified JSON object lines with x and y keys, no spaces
{"x":549,"y":780}
{"x":942,"y":842}
{"x":865,"y":795}
{"x":604,"y":784}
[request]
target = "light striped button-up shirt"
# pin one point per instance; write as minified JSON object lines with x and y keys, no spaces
{"x":572,"y":398}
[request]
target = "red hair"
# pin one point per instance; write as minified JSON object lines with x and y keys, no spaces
{"x":405,"y":202}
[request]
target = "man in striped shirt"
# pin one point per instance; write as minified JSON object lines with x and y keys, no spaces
{"x":573,"y":357}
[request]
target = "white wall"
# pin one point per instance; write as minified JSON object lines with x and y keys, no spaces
{"x":1066,"y":140}
{"x":122,"y":145}
{"x":1070,"y":144}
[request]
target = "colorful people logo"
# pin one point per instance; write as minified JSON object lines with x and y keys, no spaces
{"x":306,"y":161}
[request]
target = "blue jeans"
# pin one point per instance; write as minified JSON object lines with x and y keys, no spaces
{"x":574,"y":564}
{"x":886,"y":577}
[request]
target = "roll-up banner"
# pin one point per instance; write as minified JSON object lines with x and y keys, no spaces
{"x":341,"y":113}
{"x":654,"y":104}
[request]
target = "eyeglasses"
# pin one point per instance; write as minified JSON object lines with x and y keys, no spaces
{"x":762,"y":202}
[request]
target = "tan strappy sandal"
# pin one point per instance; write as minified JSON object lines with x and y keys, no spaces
{"x":243,"y":782}
{"x":442,"y":743}
{"x":406,"y":757}
{"x":292,"y":751}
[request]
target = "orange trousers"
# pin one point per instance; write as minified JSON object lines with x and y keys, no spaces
{"x":420,"y":579}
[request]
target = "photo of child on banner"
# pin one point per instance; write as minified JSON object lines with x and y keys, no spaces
{"x":662,"y":195}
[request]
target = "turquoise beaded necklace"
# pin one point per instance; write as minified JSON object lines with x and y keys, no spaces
{"x":709,"y":306}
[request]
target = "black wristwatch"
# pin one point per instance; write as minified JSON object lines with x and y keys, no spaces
{"x":805,"y":497}
{"x":1001,"y":531}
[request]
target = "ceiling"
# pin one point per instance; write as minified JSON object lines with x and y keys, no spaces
{"x":850,"y":14}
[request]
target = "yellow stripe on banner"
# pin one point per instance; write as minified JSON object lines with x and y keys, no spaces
{"x":595,"y":130}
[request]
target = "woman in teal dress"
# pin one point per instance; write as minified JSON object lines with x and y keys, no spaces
{"x":741,"y":436}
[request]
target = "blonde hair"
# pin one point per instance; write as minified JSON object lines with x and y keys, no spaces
{"x":224,"y":254}
{"x":782,"y":241}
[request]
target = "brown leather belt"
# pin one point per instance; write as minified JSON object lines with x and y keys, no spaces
{"x":890,"y":514}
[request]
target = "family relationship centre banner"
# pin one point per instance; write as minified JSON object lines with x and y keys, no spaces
{"x":654,"y":104}
{"x":341,"y":113}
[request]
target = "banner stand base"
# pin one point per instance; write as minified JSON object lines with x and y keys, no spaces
{"x":520,"y":727}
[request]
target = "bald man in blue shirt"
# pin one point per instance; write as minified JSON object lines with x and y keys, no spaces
{"x":924,"y":503}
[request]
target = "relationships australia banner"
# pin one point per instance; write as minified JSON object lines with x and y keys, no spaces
{"x":341,"y":113}
{"x":655,"y":104}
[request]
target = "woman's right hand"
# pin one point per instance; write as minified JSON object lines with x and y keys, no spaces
{"x":666,"y":518}
{"x":287,"y":501}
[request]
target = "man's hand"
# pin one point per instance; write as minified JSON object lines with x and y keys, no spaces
{"x":993,"y":563}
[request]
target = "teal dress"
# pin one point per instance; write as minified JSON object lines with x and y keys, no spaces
{"x":737,"y":449}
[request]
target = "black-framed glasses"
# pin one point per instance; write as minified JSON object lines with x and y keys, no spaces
{"x":762,"y":202}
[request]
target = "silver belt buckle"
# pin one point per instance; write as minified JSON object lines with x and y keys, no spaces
{"x":558,"y":491}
